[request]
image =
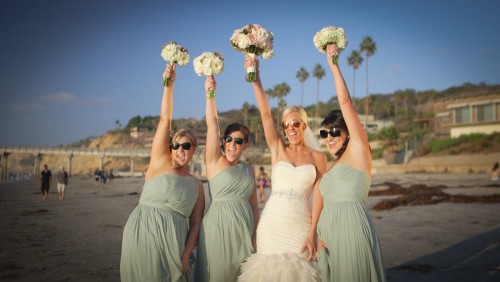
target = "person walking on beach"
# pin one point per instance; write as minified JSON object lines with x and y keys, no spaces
{"x":227,"y":233}
{"x":284,"y":230}
{"x":46,"y":181}
{"x":161,"y":232}
{"x":495,"y":172}
{"x":62,"y":182}
{"x":97,"y":176}
{"x":348,"y":248}
{"x":263,"y":181}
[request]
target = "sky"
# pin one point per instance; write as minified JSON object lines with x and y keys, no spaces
{"x":70,"y":69}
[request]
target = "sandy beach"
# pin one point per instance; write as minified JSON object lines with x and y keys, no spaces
{"x":452,"y":233}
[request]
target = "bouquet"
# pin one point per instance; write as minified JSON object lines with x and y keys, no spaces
{"x":175,"y":54}
{"x":209,"y":64}
{"x":253,"y":40}
{"x":330,"y":35}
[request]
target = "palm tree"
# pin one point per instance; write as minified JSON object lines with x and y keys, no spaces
{"x":369,"y":47}
{"x":281,"y":90}
{"x":245,"y":109}
{"x":354,"y":60}
{"x":302,"y":75}
{"x":319,"y":73}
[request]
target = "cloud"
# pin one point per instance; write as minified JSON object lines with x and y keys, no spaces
{"x":51,"y":100}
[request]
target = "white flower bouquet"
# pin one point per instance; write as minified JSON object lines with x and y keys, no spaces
{"x":208,"y":64}
{"x":254,"y":40}
{"x":174,"y":54}
{"x":330,"y":35}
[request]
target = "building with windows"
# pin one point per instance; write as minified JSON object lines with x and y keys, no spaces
{"x":467,"y":114}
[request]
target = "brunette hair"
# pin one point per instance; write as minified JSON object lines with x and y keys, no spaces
{"x":336,"y":119}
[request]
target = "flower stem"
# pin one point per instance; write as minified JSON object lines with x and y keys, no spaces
{"x":335,"y":60}
{"x":165,"y":81}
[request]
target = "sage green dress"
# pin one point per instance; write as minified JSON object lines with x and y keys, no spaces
{"x":227,"y":228}
{"x":352,"y":250}
{"x":155,"y":233}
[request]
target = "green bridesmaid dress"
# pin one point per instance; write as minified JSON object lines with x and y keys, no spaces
{"x":226,"y":231}
{"x":352,"y":250}
{"x":155,"y":233}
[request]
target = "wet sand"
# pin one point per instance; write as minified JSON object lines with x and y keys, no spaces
{"x":79,"y":239}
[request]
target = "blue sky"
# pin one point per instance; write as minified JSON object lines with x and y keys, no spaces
{"x":70,"y":69}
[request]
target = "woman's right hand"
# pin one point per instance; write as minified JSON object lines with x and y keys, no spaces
{"x":210,"y":84}
{"x":169,"y":72}
{"x":249,"y":62}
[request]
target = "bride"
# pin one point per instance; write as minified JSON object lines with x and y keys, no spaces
{"x":285,"y":239}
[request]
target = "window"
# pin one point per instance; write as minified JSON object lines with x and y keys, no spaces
{"x":462,"y":115}
{"x":484,"y":112}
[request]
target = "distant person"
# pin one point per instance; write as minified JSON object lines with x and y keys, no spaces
{"x":348,"y":248}
{"x":111,"y":176}
{"x":227,"y":235}
{"x":161,"y":232}
{"x":97,"y":176}
{"x":62,"y":182}
{"x":495,"y":172}
{"x":104,"y":176}
{"x":263,"y":181}
{"x":46,"y":181}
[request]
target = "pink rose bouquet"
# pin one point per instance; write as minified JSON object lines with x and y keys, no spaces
{"x":253,"y":40}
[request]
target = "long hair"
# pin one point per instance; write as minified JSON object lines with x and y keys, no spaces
{"x":336,"y":119}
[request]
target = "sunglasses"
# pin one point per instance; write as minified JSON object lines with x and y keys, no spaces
{"x":186,"y":145}
{"x":334,"y":132}
{"x":229,"y":139}
{"x":295,"y":123}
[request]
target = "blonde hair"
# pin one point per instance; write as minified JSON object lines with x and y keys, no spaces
{"x":176,"y":134}
{"x":296,"y":109}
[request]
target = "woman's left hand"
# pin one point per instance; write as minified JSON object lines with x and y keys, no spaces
{"x":309,"y":244}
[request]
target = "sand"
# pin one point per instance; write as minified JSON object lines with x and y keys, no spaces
{"x":79,"y":239}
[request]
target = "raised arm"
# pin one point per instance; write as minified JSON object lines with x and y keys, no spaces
{"x":160,"y":150}
{"x":212,"y":151}
{"x":358,"y":143}
{"x":270,"y":132}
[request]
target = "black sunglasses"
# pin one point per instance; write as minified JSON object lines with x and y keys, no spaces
{"x":295,"y":123}
{"x":229,"y":139}
{"x":334,"y":132}
{"x":186,"y":145}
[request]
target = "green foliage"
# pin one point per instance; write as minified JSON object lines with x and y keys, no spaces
{"x":483,"y":141}
{"x":377,"y":153}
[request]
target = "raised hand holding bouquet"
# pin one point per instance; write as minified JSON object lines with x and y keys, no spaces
{"x":253,"y":40}
{"x":330,"y":35}
{"x":209,"y":64}
{"x":174,"y":54}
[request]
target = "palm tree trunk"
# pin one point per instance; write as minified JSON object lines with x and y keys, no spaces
{"x":367,"y":94}
{"x":317,"y":102}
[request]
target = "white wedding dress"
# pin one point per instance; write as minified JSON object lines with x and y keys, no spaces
{"x":283,"y":228}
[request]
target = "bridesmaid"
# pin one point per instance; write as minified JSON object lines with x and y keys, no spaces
{"x":348,"y":248}
{"x":157,"y":239}
{"x":227,"y":234}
